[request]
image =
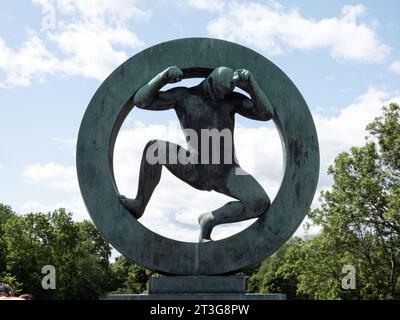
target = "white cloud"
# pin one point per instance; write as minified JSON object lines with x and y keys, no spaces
{"x":51,"y":175}
{"x":29,"y":63}
{"x":90,"y":39}
{"x":73,"y":204}
{"x":277,"y":30}
{"x":395,"y":66}
{"x":341,"y":132}
{"x":34,"y":206}
{"x":211,"y":5}
{"x":1,"y":167}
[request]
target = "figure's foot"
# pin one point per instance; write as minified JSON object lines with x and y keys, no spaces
{"x":132,"y":205}
{"x":205,"y":221}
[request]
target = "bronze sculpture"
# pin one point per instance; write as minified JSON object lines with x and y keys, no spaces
{"x":211,"y":105}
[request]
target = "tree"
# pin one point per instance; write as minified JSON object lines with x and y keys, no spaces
{"x":319,"y":269}
{"x":360,"y":221}
{"x":76,"y":250}
{"x":5,"y":214}
{"x":23,"y":238}
{"x":360,"y":218}
{"x":129,"y":277}
{"x":279,"y":273}
{"x":12,"y":282}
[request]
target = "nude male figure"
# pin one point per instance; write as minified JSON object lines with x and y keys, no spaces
{"x":210,"y":105}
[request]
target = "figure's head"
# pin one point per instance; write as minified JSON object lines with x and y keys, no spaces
{"x":220,"y":82}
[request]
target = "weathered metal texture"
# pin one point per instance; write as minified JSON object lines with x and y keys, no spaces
{"x":198,"y":296}
{"x":197,"y":284}
{"x":105,"y":115}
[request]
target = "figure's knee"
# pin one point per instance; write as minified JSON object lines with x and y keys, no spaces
{"x":259,"y":204}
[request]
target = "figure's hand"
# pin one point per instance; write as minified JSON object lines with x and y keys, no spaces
{"x":172,"y":74}
{"x":242,"y":78}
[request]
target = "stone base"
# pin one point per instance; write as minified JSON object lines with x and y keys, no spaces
{"x":198,"y":296}
{"x":197,"y":288}
{"x":197,"y":284}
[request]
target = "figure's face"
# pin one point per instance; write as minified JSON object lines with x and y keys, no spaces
{"x":221,"y":82}
{"x":222,"y":88}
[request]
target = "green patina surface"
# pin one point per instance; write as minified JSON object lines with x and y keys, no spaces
{"x":197,"y":284}
{"x":196,"y":57}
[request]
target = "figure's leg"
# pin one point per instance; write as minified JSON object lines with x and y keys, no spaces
{"x":149,"y":177}
{"x":150,"y":174}
{"x":252,"y":202}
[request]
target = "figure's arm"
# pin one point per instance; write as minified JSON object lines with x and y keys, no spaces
{"x":258,"y":107}
{"x":149,"y":96}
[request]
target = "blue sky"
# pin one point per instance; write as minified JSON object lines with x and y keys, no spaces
{"x":344,"y":56}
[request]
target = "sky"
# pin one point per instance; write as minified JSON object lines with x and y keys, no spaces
{"x":344,"y":56}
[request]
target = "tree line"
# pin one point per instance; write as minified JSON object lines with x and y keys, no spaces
{"x":359,"y":221}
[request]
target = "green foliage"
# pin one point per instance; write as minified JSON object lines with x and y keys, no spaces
{"x":12,"y":282}
{"x":5,"y":214}
{"x":129,"y":277}
{"x":279,"y":273}
{"x":320,"y":269}
{"x":360,"y":217}
{"x":137,"y":279}
{"x":76,"y":250}
{"x":386,"y":130}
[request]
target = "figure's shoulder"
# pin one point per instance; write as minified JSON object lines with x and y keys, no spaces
{"x":177,"y":93}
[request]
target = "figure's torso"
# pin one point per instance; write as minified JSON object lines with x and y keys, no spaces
{"x":199,"y":113}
